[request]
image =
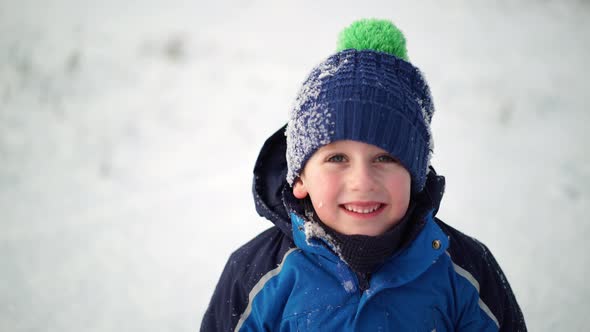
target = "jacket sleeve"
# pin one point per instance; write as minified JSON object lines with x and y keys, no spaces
{"x":245,"y":267}
{"x":228,"y":301}
{"x":496,"y":298}
{"x":496,"y":291}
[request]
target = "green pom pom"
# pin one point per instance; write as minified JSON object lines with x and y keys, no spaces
{"x":374,"y":34}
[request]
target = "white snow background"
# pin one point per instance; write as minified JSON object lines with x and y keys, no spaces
{"x":129,"y":130}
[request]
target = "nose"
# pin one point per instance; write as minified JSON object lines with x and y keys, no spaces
{"x":362,"y":178}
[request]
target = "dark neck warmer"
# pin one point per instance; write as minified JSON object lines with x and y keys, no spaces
{"x":363,"y":253}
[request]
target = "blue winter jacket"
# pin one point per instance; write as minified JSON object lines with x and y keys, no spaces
{"x":442,"y":280}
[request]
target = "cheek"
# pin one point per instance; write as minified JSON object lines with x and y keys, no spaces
{"x":324,"y":190}
{"x":400,"y":186}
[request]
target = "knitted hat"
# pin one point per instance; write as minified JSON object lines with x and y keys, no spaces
{"x":366,"y":92}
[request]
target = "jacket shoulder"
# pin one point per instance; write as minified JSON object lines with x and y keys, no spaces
{"x":259,"y":256}
{"x":494,"y":290}
{"x":244,"y":268}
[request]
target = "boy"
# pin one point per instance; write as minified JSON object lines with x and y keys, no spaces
{"x":348,"y":184}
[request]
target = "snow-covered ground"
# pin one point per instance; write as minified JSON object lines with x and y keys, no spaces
{"x":128,"y":132}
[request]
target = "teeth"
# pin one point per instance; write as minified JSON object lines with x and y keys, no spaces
{"x":357,"y":209}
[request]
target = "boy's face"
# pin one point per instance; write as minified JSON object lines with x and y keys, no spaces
{"x":355,"y":188}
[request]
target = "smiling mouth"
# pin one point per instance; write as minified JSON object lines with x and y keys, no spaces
{"x":364,"y":209}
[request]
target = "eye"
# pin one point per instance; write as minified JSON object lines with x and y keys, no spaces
{"x":385,"y":158}
{"x":337,"y":158}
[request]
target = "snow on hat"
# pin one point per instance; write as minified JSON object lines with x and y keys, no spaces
{"x":366,"y":92}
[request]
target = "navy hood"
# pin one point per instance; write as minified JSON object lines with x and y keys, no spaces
{"x":270,"y":172}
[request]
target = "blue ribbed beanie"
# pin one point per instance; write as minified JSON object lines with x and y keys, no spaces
{"x":367,"y":92}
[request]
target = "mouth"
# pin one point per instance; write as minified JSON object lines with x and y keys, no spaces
{"x":363,"y":209}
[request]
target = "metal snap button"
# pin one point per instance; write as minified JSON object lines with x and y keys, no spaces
{"x":436,"y":244}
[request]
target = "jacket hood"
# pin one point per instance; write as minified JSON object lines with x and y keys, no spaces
{"x":270,"y":172}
